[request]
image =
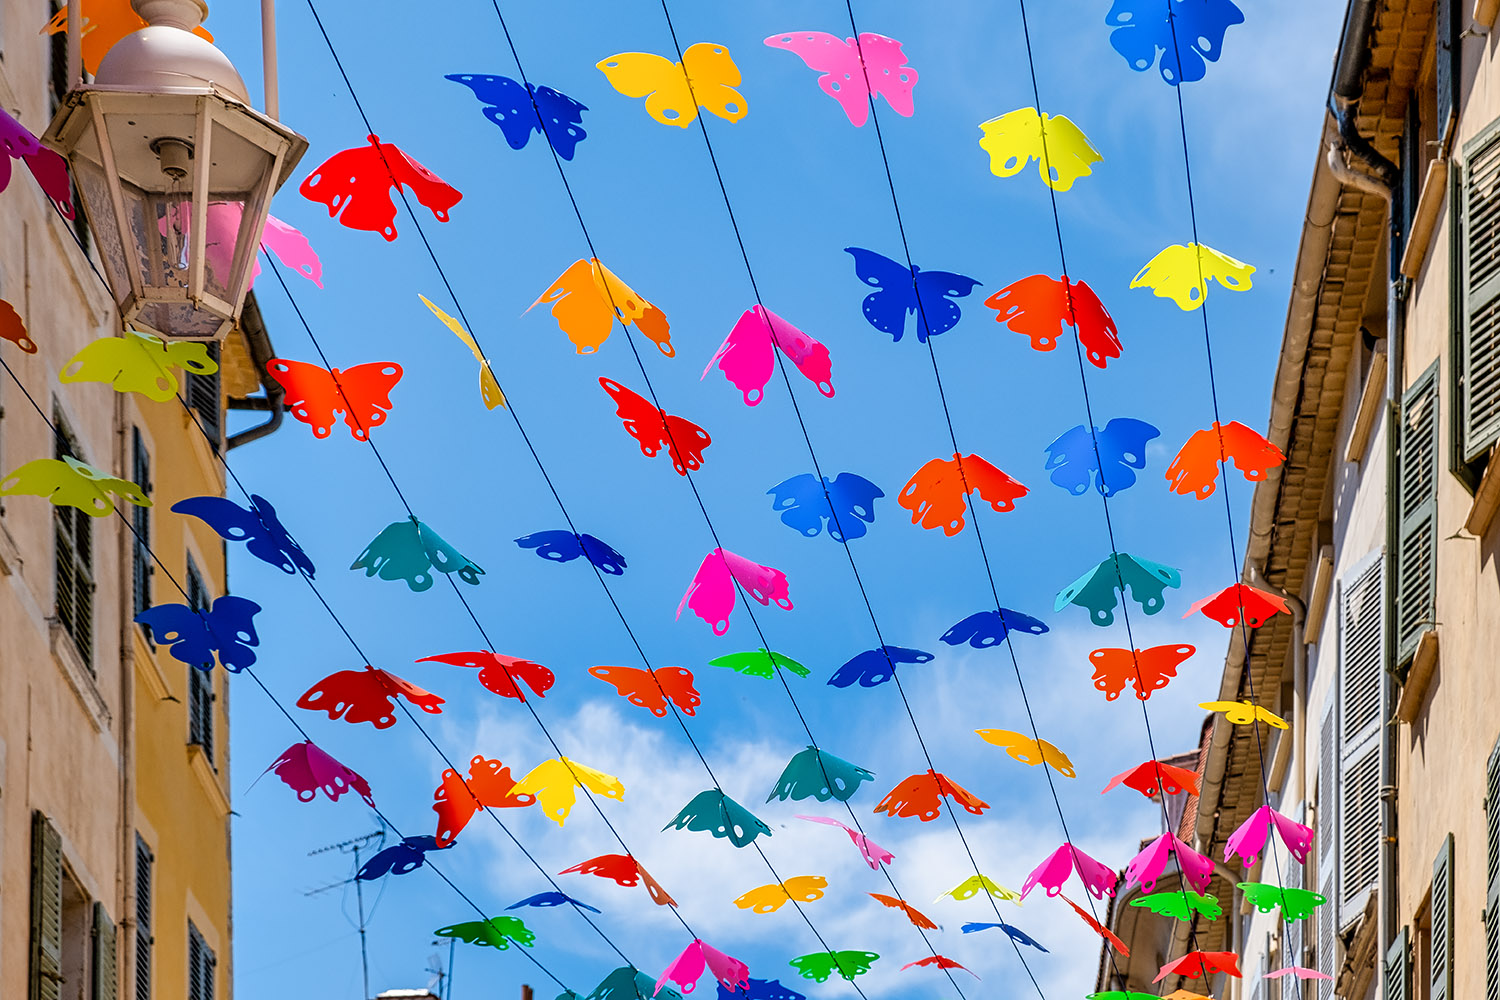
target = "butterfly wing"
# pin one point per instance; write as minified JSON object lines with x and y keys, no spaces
{"x":746,"y":357}
{"x":984,"y":629}
{"x":801,"y":503}
{"x":180,"y":627}
{"x":887,"y":308}
{"x":917,"y":795}
{"x":659,"y":80}
{"x":431,"y":190}
{"x":399,"y":859}
{"x":367,"y":392}
{"x":994,"y":487}
{"x":643,"y":421}
{"x":936,"y":290}
{"x":353,"y":695}
{"x":355,"y":185}
{"x":554,"y":546}
{"x":890,"y":77}
{"x":579,"y":308}
{"x":678,"y":685}
{"x":277,"y":546}
{"x":605,"y":558}
{"x":635,"y":685}
{"x":876,"y":666}
{"x":13,"y":329}
{"x":233,"y":523}
{"x":686,"y":441}
{"x":1122,"y":446}
{"x":507,"y":104}
{"x":1071,"y":461}
{"x":1113,"y":669}
{"x":714,"y":77}
{"x":804,"y":351}
{"x":1253,"y":454}
{"x":853,"y":497}
{"x":563,"y":117}
{"x":1022,"y":748}
{"x":837,"y":59}
{"x":1096,"y":328}
{"x":310,"y":393}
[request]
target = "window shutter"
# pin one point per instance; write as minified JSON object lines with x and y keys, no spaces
{"x":1398,"y":969}
{"x":200,"y":681}
{"x":1412,"y":164}
{"x":202,"y":394}
{"x":1492,"y":873}
{"x":144,"y":863}
{"x":1327,"y":959}
{"x":1479,"y":267}
{"x":1442,"y":923}
{"x":1417,"y":479}
{"x":46,"y":910}
{"x":201,"y":965}
{"x":141,"y":521}
{"x":106,"y":984}
{"x":1447,"y":73}
{"x":1361,"y":642}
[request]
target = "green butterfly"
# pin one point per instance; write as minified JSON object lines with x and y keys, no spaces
{"x":820,"y":965}
{"x":1123,"y":995}
{"x":1295,"y":903}
{"x":496,"y":932}
{"x":1180,"y":904}
{"x":758,"y":664}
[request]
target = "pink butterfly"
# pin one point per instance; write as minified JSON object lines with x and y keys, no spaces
{"x":1299,"y":972}
{"x":1097,"y":877}
{"x":711,"y":594}
{"x":844,"y":78}
{"x":873,"y":853}
{"x":1146,"y":867}
{"x":688,"y":967}
{"x":46,"y":165}
{"x":747,"y":356}
{"x":1250,"y":838}
{"x":305,"y":769}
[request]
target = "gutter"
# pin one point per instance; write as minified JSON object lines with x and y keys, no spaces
{"x":253,"y":326}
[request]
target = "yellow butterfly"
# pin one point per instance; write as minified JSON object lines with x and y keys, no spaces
{"x":769,"y":898}
{"x":585,"y":300}
{"x":489,"y":389}
{"x":972,"y":886}
{"x":1242,"y":713}
{"x":552,"y":782}
{"x":670,"y":99}
{"x":68,"y":482}
{"x":1182,"y":276}
{"x":1027,"y":751}
{"x":138,"y":362}
{"x":1063,"y":153}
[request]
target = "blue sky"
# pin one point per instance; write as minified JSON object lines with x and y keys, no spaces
{"x":804,"y":184}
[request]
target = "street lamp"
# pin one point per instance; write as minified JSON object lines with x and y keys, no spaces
{"x":175,"y":170}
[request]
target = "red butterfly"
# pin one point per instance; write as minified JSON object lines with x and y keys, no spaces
{"x":1225,"y":606}
{"x":13,"y":329}
{"x":359,"y":181}
{"x":456,"y":801}
{"x":498,"y":673}
{"x":366,"y":695}
{"x":941,"y":961}
{"x":623,"y":870}
{"x":647,"y":687}
{"x":318,"y":395}
{"x":1144,"y":778}
{"x":913,"y":914}
{"x":654,"y":429}
{"x":1154,"y":667}
{"x":1196,"y":467}
{"x":935,"y":495}
{"x":1201,"y":965}
{"x":921,"y":795}
{"x":1099,"y":928}
{"x":1039,"y":306}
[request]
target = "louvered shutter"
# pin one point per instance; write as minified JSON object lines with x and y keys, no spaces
{"x":1479,"y":291}
{"x":145,"y":863}
{"x":141,"y":521}
{"x":46,"y":910}
{"x":200,"y":682}
{"x":202,"y":394}
{"x":1413,"y":166}
{"x":1442,"y":923}
{"x":1328,"y":796}
{"x":1398,"y":968}
{"x":1327,"y":958}
{"x":1492,"y":875}
{"x":1361,"y":641}
{"x":1447,"y":73}
{"x":201,"y":964}
{"x":1416,"y":486}
{"x":106,"y":982}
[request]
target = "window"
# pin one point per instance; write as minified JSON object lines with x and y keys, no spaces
{"x":1441,"y":912}
{"x":45,"y":972}
{"x":1398,"y":969}
{"x":1476,"y":294}
{"x":202,"y":395}
{"x":201,"y":964}
{"x":144,"y":862}
{"x":1361,"y":655}
{"x":141,"y":568}
{"x":200,"y":679}
{"x":1492,"y":876}
{"x":1416,"y":498}
{"x":73,"y":570}
{"x":1447,"y":70}
{"x":105,"y":982}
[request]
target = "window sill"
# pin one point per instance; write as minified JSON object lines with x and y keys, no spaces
{"x":1485,"y":11}
{"x":1369,"y":408}
{"x":204,"y":772}
{"x":1486,"y":499}
{"x":1418,"y":677}
{"x":1317,"y":604}
{"x":65,"y":654}
{"x":1424,"y":219}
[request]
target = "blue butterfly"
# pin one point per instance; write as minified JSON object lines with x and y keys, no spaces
{"x":259,"y":527}
{"x":760,"y":989}
{"x":509,"y":106}
{"x":550,"y":899}
{"x":1144,"y":26}
{"x":984,"y":629}
{"x":1016,"y":934}
{"x":876,"y":666}
{"x":1122,"y":448}
{"x":399,"y":859}
{"x":899,"y":289}
{"x":564,"y":546}
{"x":194,"y":636}
{"x":803,"y":505}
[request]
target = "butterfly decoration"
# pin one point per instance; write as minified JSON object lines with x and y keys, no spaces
{"x":1250,"y":839}
{"x":1029,"y":751}
{"x":937,"y":961}
{"x":1147,"y":670}
{"x":1183,"y":995}
{"x":489,"y":388}
{"x":1147,"y":866}
{"x":821,"y":964}
{"x":760,"y":989}
{"x":687,"y":968}
{"x":258,"y":527}
{"x":1076,"y":456}
{"x":1299,"y":972}
{"x":770,"y":898}
{"x":975,"y":884}
{"x":522,"y":109}
{"x":1038,"y":307}
{"x":711,"y":594}
{"x":1015,"y":933}
{"x":138,"y":362}
{"x":847,"y":504}
{"x":654,"y":429}
{"x":227,"y":627}
{"x":935,"y":495}
{"x":489,"y":786}
{"x":652,"y":689}
{"x":1226,"y":606}
{"x":104,"y":23}
{"x":674,"y":92}
{"x":623,"y":870}
{"x":1181,"y":275}
{"x":316,"y":396}
{"x":1244,"y":713}
{"x":1201,"y":965}
{"x":1063,"y":153}
{"x":625,"y":983}
{"x":407,"y":550}
{"x":984,"y":629}
{"x":760,"y":663}
{"x":921,"y":796}
{"x":12,"y":327}
{"x":306,"y":769}
{"x":876,"y":666}
{"x":1186,"y":32}
{"x":1295,"y":903}
{"x":358,"y":183}
{"x":1196,"y":467}
{"x":46,"y":165}
{"x":552,"y":782}
{"x":748,"y":355}
{"x":1154,"y":777}
{"x":853,"y":71}
{"x":1098,"y":878}
{"x":496,"y":932}
{"x":711,"y":811}
{"x":916,"y":916}
{"x":818,"y":774}
{"x":873,"y":853}
{"x":903,"y":291}
{"x":587,"y":298}
{"x":1097,"y":927}
{"x":1096,"y":590}
{"x":549,"y":899}
{"x":366,"y":695}
{"x":1180,"y":904}
{"x":563,"y":546}
{"x":284,"y":240}
{"x":398,"y":859}
{"x":498,"y":673}
{"x":68,"y":482}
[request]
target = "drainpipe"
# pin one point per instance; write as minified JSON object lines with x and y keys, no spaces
{"x":125,"y":876}
{"x":261,"y":353}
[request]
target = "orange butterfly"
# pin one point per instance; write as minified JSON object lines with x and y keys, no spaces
{"x":489,"y":784}
{"x":1144,"y":778}
{"x":1225,"y":606}
{"x":1099,"y":928}
{"x":913,"y":914}
{"x":651,"y":688}
{"x":588,"y":296}
{"x":1029,"y":751}
{"x":769,"y":898}
{"x":1147,"y":670}
{"x":921,"y":795}
{"x":1196,"y":467}
{"x":624,"y":870}
{"x":316,"y":396}
{"x":13,"y":329}
{"x":935,"y":495}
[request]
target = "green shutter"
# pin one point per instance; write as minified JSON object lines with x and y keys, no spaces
{"x":1478,"y":292}
{"x":106,"y":975}
{"x":1361,"y":655}
{"x":46,"y":910}
{"x":1398,"y":969}
{"x":1442,"y":923}
{"x":1416,"y":486}
{"x":1448,"y":71}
